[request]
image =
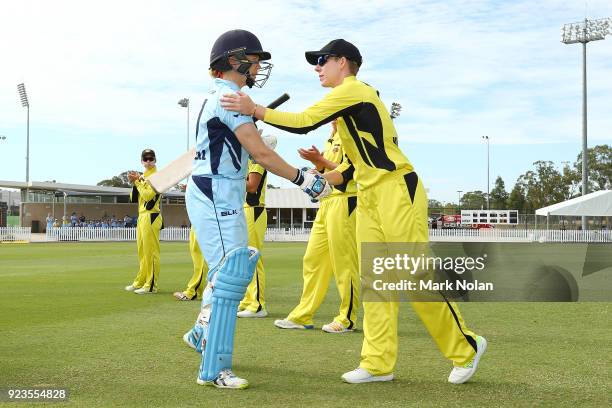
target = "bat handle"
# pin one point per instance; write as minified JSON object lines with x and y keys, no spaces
{"x":276,"y":103}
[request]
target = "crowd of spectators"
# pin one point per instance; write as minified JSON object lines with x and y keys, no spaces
{"x":73,"y":221}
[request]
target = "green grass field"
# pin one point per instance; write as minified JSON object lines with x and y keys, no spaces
{"x":67,"y":322}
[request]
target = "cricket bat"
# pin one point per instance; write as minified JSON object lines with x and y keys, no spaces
{"x":168,"y":177}
{"x":180,"y":168}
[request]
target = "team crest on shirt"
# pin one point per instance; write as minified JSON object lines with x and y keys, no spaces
{"x":336,"y":148}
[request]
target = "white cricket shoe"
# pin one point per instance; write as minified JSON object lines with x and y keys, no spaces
{"x":248,"y":313}
{"x":182,"y":297}
{"x":226,"y":379}
{"x":335,"y":327}
{"x":288,"y":324}
{"x":361,"y":375}
{"x":459,"y":375}
{"x":131,"y":288}
{"x":145,"y":291}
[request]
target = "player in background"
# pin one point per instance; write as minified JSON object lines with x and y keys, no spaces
{"x":392,"y":205}
{"x":148,"y":227}
{"x":332,"y":249}
{"x":49,"y":221}
{"x":254,"y":302}
{"x":215,"y":198}
{"x":196,"y":284}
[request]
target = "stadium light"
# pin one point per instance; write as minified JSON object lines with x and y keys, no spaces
{"x":459,"y":202}
{"x":487,"y":140}
{"x":185,"y":104}
{"x":26,"y":104}
{"x":585,"y":32}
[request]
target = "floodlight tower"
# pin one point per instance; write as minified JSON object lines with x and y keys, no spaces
{"x":486,"y":139}
{"x":584,"y":32}
{"x":26,"y":104}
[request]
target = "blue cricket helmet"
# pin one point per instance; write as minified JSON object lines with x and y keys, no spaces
{"x":232,"y":41}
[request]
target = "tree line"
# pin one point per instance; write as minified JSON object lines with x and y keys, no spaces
{"x":543,"y":185}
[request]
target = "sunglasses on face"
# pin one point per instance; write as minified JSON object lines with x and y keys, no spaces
{"x":148,"y":159}
{"x":322,"y":60}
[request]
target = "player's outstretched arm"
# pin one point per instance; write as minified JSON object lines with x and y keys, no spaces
{"x":334,"y":104}
{"x":313,"y":185}
{"x":334,"y":177}
{"x":341,"y":175}
{"x":249,"y":138}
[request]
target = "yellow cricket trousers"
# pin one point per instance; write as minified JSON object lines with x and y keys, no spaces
{"x":331,"y":250}
{"x":196,"y":284}
{"x":147,"y":239}
{"x":395,"y":210}
{"x":257,"y":222}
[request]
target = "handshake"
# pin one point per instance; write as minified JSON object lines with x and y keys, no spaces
{"x":312,"y":183}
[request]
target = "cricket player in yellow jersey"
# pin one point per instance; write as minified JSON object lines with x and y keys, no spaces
{"x":254,"y":302}
{"x":392,"y":205}
{"x":196,"y":284}
{"x":331,"y":250}
{"x":148,"y":227}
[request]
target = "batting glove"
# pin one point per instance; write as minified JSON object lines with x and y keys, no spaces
{"x":312,"y":184}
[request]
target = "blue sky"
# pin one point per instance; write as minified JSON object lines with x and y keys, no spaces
{"x":104,"y":82}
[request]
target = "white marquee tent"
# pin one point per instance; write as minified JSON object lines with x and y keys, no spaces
{"x":597,"y":204}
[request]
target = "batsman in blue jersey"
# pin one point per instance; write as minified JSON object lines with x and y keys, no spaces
{"x":215,"y":198}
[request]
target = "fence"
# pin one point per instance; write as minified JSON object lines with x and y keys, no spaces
{"x":472,"y":235}
{"x":518,"y":235}
{"x":167,"y":234}
{"x":111,"y":234}
{"x":572,"y":236}
{"x":302,"y":234}
{"x":287,"y":234}
{"x":174,"y":234}
{"x":15,"y":234}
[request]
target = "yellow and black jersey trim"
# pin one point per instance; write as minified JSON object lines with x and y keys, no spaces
{"x":257,"y":211}
{"x":368,"y":120}
{"x":347,"y":176}
{"x":134,"y":195}
{"x":143,"y":194}
{"x":149,"y":205}
{"x":352,"y":204}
